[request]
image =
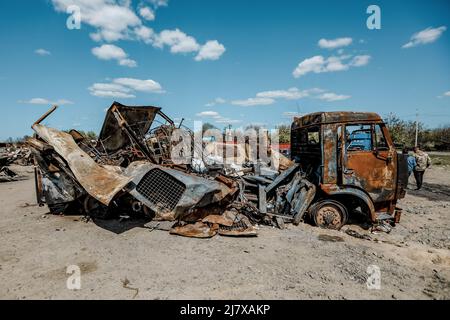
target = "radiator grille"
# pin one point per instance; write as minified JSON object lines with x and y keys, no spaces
{"x":161,"y":189}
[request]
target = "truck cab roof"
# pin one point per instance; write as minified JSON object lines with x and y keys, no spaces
{"x":318,"y":118}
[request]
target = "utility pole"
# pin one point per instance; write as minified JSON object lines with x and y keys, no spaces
{"x":417,"y":126}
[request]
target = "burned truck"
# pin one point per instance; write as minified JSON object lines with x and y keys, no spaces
{"x":352,"y":160}
{"x":341,"y":163}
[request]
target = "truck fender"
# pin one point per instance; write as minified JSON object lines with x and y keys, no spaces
{"x":357,"y":193}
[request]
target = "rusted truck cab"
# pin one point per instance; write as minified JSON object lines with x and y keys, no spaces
{"x":351,"y":159}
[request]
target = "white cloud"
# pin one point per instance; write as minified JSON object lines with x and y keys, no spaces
{"x":62,"y":102}
{"x":314,"y":64}
{"x":108,"y":52}
{"x":253,"y":102}
{"x":272,"y":96}
{"x":159,"y":3}
{"x":140,"y":85}
{"x":178,"y":41}
{"x":426,"y":36}
{"x":147,"y":13}
{"x":359,"y":61}
{"x":447,"y":94}
{"x":46,"y":101}
{"x":110,"y":90}
{"x":112,"y":52}
{"x":290,"y":94}
{"x":112,"y":19}
{"x":124,"y":88}
{"x":111,"y":94}
{"x":217,"y":118}
{"x":38,"y":101}
{"x":211,"y":50}
{"x":291,"y":114}
{"x":319,"y":64}
{"x":109,"y":87}
{"x":228,"y":121}
{"x":216,"y":101}
{"x":115,"y":20}
{"x":145,"y":34}
{"x":42,"y":52}
{"x":211,"y":114}
{"x":128,"y":63}
{"x":334,"y":43}
{"x":330,"y":96}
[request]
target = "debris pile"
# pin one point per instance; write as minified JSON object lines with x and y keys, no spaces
{"x":130,"y":169}
{"x":7,"y":175}
{"x":13,"y":154}
{"x":144,"y":164}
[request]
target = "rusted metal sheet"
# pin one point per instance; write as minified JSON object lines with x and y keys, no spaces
{"x":170,"y":192}
{"x":333,"y":190}
{"x":218,"y":219}
{"x":241,"y":228}
{"x":112,"y":136}
{"x":370,"y":175}
{"x":100,"y":183}
{"x":196,"y":230}
{"x":130,"y":164}
{"x":302,"y":200}
{"x":7,"y":175}
{"x":335,"y":117}
{"x":365,"y":170}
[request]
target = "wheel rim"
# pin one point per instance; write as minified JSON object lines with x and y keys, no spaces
{"x":94,"y":208}
{"x":329,"y":216}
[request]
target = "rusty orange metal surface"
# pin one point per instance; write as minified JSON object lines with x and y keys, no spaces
{"x":370,"y":175}
{"x":100,"y":183}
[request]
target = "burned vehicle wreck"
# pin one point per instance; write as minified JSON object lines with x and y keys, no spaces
{"x":130,"y":168}
{"x":352,"y":160}
{"x":123,"y":170}
{"x":69,"y":169}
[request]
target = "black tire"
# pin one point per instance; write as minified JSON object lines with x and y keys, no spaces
{"x":329,"y":214}
{"x":95,"y":209}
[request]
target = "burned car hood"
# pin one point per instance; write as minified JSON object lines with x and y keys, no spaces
{"x":102,"y":183}
{"x":140,"y":119}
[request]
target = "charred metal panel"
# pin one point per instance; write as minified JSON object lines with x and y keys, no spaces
{"x":330,"y":153}
{"x":302,"y":200}
{"x":140,"y":119}
{"x":100,"y":183}
{"x":371,"y":172}
{"x":335,"y":117}
{"x":198,"y":192}
{"x":161,"y":189}
{"x":334,"y":190}
{"x":402,"y":175}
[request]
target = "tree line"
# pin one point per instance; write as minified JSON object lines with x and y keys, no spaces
{"x":402,"y":132}
{"x":90,"y":135}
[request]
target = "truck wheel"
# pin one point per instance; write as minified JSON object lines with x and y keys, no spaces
{"x":95,"y":209}
{"x":329,"y":214}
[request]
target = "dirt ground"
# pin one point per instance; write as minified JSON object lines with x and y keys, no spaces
{"x":300,"y":262}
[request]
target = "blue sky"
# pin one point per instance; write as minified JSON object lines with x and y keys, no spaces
{"x":225,"y":62}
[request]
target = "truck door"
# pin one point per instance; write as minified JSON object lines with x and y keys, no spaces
{"x":368,"y":161}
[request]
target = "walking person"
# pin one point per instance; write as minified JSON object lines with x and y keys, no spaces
{"x":411,"y":161}
{"x":423,"y":162}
